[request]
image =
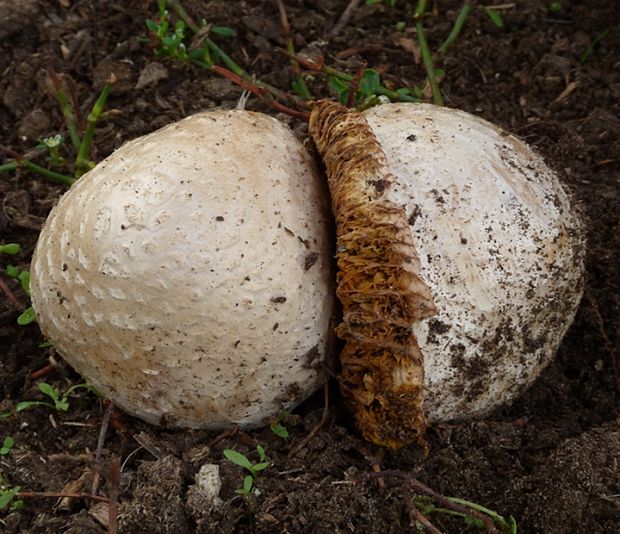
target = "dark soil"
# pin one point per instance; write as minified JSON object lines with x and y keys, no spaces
{"x":550,"y":460}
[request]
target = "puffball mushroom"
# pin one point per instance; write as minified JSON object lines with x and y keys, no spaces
{"x":500,"y":246}
{"x":187,"y":276}
{"x":441,"y":213}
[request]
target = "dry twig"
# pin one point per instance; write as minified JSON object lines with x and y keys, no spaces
{"x":60,"y":494}
{"x":344,"y":18}
{"x":318,"y":427}
{"x":115,"y":475}
{"x":418,"y":487}
{"x":11,"y":296}
{"x":355,"y":84}
{"x":105,"y":422}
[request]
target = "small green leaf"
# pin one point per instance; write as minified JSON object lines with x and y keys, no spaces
{"x":88,"y":387}
{"x":340,"y":87}
{"x":554,"y":7}
{"x":248,"y":482}
{"x":238,"y":459}
{"x":7,"y":445}
{"x":24,"y":278}
{"x":163,"y":28}
{"x":62,"y":405}
{"x":370,"y":82}
{"x":261,"y":452}
{"x":169,"y":42}
{"x":5,"y":498}
{"x":26,"y":405}
{"x":10,"y":248}
{"x":12,"y":271}
{"x":298,"y":87}
{"x":494,"y":16}
{"x":473,"y":521}
{"x":279,"y":430}
{"x":261,"y":466}
{"x":48,"y":390}
{"x":223,"y":30}
{"x":151,"y":25}
{"x":28,"y":316}
{"x":337,"y":84}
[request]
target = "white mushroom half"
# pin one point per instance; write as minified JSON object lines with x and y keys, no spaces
{"x":188,"y":276}
{"x":500,"y":247}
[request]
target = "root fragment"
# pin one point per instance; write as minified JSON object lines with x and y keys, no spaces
{"x":379,"y":285}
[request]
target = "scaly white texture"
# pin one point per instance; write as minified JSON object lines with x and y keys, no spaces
{"x":188,"y":277}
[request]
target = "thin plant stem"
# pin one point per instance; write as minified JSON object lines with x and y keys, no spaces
{"x":446,"y":502}
{"x":183,"y":15}
{"x":420,"y":9}
{"x":259,"y":91}
{"x":456,"y":29}
{"x":236,"y":69}
{"x":212,"y":48}
{"x":8,"y":167}
{"x":344,"y":18}
{"x":69,"y":115}
{"x":57,"y":177}
{"x":228,"y":61}
{"x":427,"y":59}
{"x":301,"y":86}
{"x":82,"y":162}
{"x":189,"y":22}
{"x":11,"y":296}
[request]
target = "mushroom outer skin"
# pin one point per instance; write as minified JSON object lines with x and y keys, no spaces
{"x":500,"y":247}
{"x":187,"y":276}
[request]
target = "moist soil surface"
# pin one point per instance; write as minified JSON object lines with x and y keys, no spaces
{"x":551,"y":76}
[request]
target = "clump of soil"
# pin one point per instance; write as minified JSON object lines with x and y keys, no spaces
{"x":549,"y":460}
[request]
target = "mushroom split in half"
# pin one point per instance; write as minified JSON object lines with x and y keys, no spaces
{"x":442,"y":214}
{"x":188,"y":276}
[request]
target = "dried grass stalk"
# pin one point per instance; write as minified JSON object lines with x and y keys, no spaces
{"x":379,"y":285}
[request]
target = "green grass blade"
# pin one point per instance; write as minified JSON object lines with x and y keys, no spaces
{"x":597,"y":39}
{"x":427,"y":59}
{"x":495,"y":17}
{"x":456,"y":29}
{"x":82,"y":162}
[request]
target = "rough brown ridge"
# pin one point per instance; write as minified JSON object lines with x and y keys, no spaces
{"x":379,"y":286}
